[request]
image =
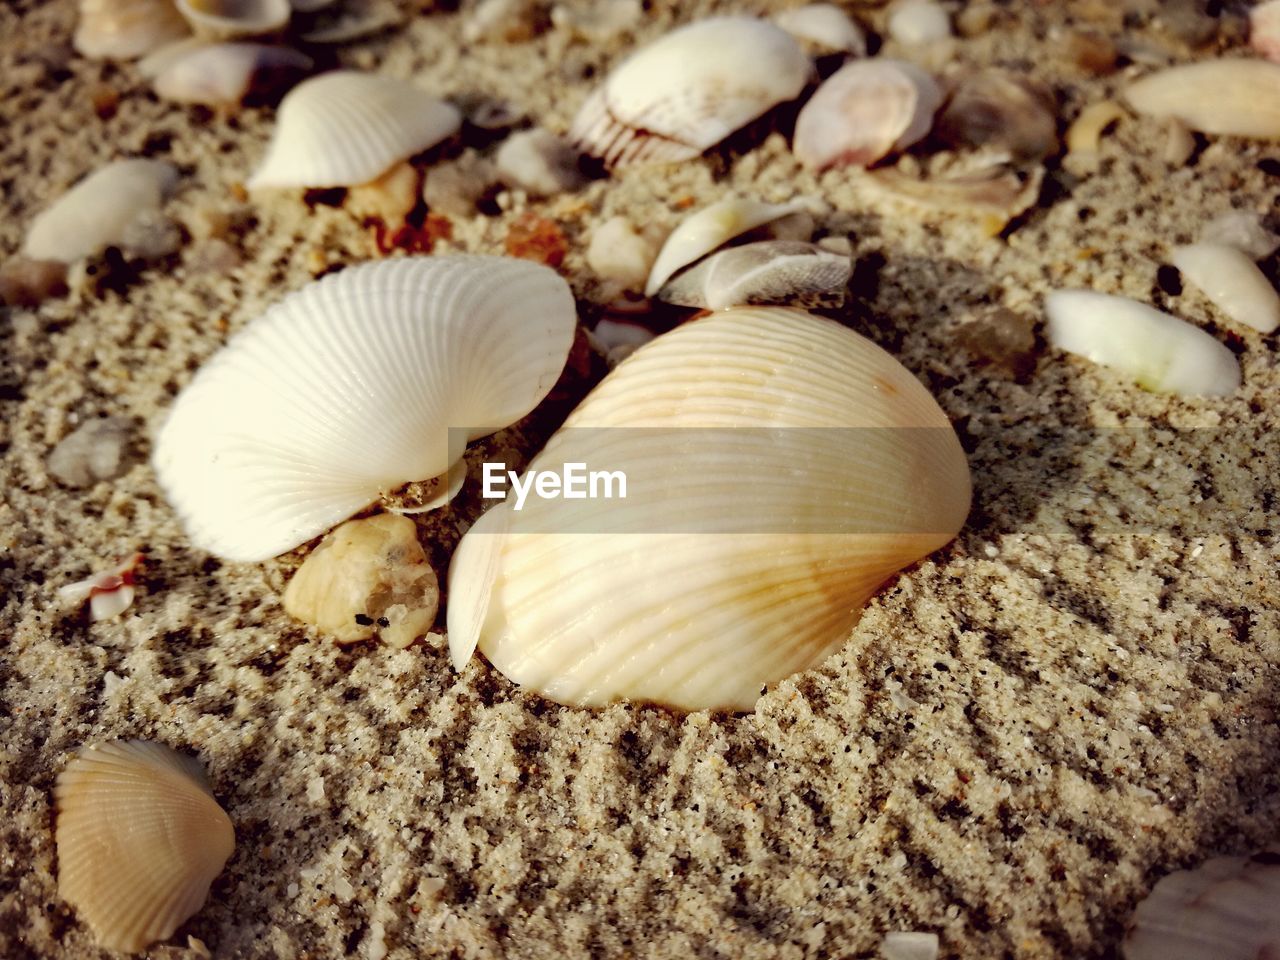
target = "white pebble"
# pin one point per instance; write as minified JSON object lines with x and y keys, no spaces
{"x":909,"y":946}
{"x":539,"y":162}
{"x":824,"y":26}
{"x":618,"y":252}
{"x":315,"y":789}
{"x":98,"y":450}
{"x":1232,"y":281}
{"x":914,"y":23}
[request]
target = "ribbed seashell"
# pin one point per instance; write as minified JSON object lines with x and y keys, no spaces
{"x":1264,"y":29}
{"x":358,"y":383}
{"x":1157,"y":351}
{"x":140,"y":838}
{"x":345,"y":128}
{"x":690,"y":89}
{"x":1232,"y":281}
{"x":1225,"y":909}
{"x":225,"y":19}
{"x":96,"y":212}
{"x":866,"y":110}
{"x":786,"y":469}
{"x":1232,"y":96}
{"x":824,"y":27}
{"x":223,"y":74}
{"x":770,"y":271}
{"x":125,"y":29}
{"x":999,"y":108}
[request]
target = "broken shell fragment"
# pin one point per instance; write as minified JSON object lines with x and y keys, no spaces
{"x":1264,"y":29}
{"x":352,"y":20}
{"x":125,"y":29}
{"x":1158,"y":352}
{"x":1232,"y":96}
{"x":97,"y":450}
{"x":1241,"y":230}
{"x":690,"y":89}
{"x":1085,"y":133}
{"x":344,"y":128}
{"x":225,"y":74}
{"x":993,"y":196}
{"x":771,"y":271}
{"x":354,"y":385}
{"x":140,"y":839}
{"x":998,"y":108}
{"x":225,"y":19}
{"x":824,"y":27}
{"x":538,"y":162}
{"x":1232,"y":281}
{"x":109,"y":594}
{"x":864,"y":111}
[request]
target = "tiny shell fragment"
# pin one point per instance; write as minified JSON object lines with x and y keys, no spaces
{"x":97,"y":450}
{"x":1232,"y":281}
{"x":1235,"y":97}
{"x":993,"y":196}
{"x":914,"y":23}
{"x":903,"y":945}
{"x":109,"y":594}
{"x":999,"y":108}
{"x":539,"y":162}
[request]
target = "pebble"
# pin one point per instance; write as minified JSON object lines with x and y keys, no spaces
{"x":26,"y":283}
{"x":618,"y":252}
{"x":1001,"y":337}
{"x":1179,"y":142}
{"x":389,"y":199}
{"x":539,"y":162}
{"x":97,"y":450}
{"x":1091,"y":52}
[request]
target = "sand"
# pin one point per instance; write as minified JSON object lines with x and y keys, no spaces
{"x":1023,"y":734}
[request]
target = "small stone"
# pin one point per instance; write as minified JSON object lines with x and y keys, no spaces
{"x":213,"y":256}
{"x":210,"y":222}
{"x":618,"y":252}
{"x":1188,"y":21}
{"x":315,"y":789}
{"x":536,"y":238}
{"x":367,"y":576}
{"x":456,"y":189}
{"x":539,"y":162}
{"x":909,"y":946}
{"x":105,"y":99}
{"x":1002,"y":338}
{"x":98,"y":450}
{"x":151,"y":236}
{"x":27,"y":283}
{"x":601,"y":22}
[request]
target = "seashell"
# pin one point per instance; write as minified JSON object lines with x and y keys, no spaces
{"x":1233,"y":97}
{"x":1225,"y":909}
{"x":1241,"y":230}
{"x":1159,"y":352}
{"x":97,"y":450}
{"x":140,"y":838}
{"x":689,"y":90}
{"x":1232,"y":281}
{"x":914,"y":23}
{"x":353,"y":20}
{"x":1264,"y":29}
{"x":771,"y":271}
{"x":125,"y":29}
{"x":788,"y":467}
{"x":1084,"y":136}
{"x":709,"y":228}
{"x":866,"y":110}
{"x":224,"y":19}
{"x":615,"y":340}
{"x":618,"y":251}
{"x":998,"y":108}
{"x":223,"y":74}
{"x":356,"y":384}
{"x":994,"y":195}
{"x":824,"y":27}
{"x":539,"y":162}
{"x":96,"y":212}
{"x":109,"y":593}
{"x":344,"y":128}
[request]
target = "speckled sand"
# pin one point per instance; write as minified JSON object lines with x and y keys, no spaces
{"x":1024,"y":733}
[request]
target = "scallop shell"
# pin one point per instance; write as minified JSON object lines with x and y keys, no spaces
{"x":354,"y":385}
{"x":124,"y":29}
{"x":689,"y":90}
{"x":225,"y":19}
{"x":1232,"y":281}
{"x":140,"y":838}
{"x":95,"y":213}
{"x":787,"y":468}
{"x":825,"y":27}
{"x":866,"y":110}
{"x":345,"y":128}
{"x":1234,"y":97}
{"x":224,"y":73}
{"x":771,"y":271}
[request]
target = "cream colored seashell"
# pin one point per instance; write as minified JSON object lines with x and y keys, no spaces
{"x":344,"y":128}
{"x":771,"y":271}
{"x":689,"y":90}
{"x":1264,"y":29}
{"x":1233,"y":97}
{"x":1232,"y":281}
{"x":140,"y":838}
{"x":866,"y":110}
{"x":1157,"y":351}
{"x":353,"y":386}
{"x":1241,"y":230}
{"x":1225,"y":909}
{"x":1084,"y":136}
{"x":914,"y":23}
{"x":224,"y":19}
{"x":824,"y":27}
{"x":96,"y":212}
{"x":993,"y":195}
{"x":786,"y":469}
{"x":224,"y":73}
{"x":125,"y":29}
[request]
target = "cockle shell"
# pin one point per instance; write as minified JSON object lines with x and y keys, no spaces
{"x":787,"y":468}
{"x":140,"y":839}
{"x":224,"y":73}
{"x":96,"y":212}
{"x":124,"y":29}
{"x":824,"y":27}
{"x":344,"y":128}
{"x":225,"y":19}
{"x":770,"y":271}
{"x":866,"y":110}
{"x":356,"y":384}
{"x":1232,"y":281}
{"x":1231,"y":96}
{"x":689,"y":90}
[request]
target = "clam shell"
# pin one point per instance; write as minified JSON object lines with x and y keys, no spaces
{"x":140,"y":838}
{"x":95,"y":213}
{"x":224,"y":73}
{"x":345,"y":128}
{"x":1232,"y":281}
{"x":689,"y":90}
{"x":787,"y":468}
{"x":124,"y":29}
{"x":866,"y":110}
{"x":825,"y":27}
{"x":349,"y":388}
{"x":225,"y":19}
{"x":771,"y":271}
{"x":1234,"y":97}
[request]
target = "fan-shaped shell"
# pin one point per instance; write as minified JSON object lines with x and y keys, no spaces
{"x":235,"y":18}
{"x":771,"y":271}
{"x":354,"y":385}
{"x":345,"y":128}
{"x":689,"y":90}
{"x":866,"y":110}
{"x":140,"y":839}
{"x":124,"y":29}
{"x":224,"y":73}
{"x":787,"y":468}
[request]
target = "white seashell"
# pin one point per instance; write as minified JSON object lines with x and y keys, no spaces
{"x":109,"y":593}
{"x":787,"y":468}
{"x":771,"y":271}
{"x":618,"y":251}
{"x":124,"y":29}
{"x":1234,"y":97}
{"x":710,"y":228}
{"x":224,"y":73}
{"x":1225,"y":909}
{"x":95,"y":213}
{"x":1241,"y":230}
{"x":914,"y":23}
{"x":993,"y":195}
{"x":353,"y":386}
{"x":866,"y":110}
{"x":825,"y":27}
{"x":1157,"y":351}
{"x":225,"y":19}
{"x":344,"y":128}
{"x":909,"y":945}
{"x":140,"y":838}
{"x":1264,"y":29}
{"x":689,"y":90}
{"x":1232,"y":281}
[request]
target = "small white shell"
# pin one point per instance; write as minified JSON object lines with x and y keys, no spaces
{"x":1232,"y":281}
{"x":96,"y":212}
{"x":866,"y":110}
{"x":770,"y":271}
{"x":140,"y":839}
{"x":914,"y":23}
{"x":1233,"y":97}
{"x":689,"y":90}
{"x":1157,"y":351}
{"x":1241,"y":230}
{"x":124,"y":29}
{"x":345,"y":128}
{"x":825,"y":27}
{"x":1264,"y":29}
{"x":353,"y":386}
{"x":225,"y":19}
{"x":223,"y":73}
